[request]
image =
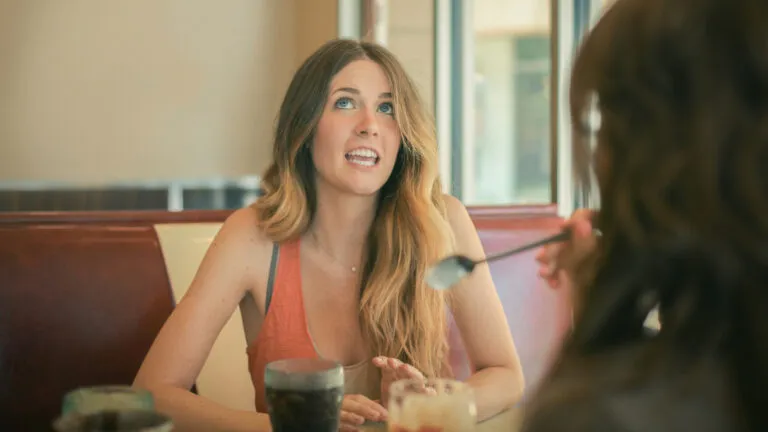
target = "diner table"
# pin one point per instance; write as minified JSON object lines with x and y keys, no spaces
{"x":506,"y":421}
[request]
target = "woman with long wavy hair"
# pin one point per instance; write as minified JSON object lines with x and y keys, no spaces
{"x":680,"y":88}
{"x":331,"y":260}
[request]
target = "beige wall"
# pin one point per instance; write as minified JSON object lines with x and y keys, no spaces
{"x":316,"y":23}
{"x":95,"y":91}
{"x":411,"y":37}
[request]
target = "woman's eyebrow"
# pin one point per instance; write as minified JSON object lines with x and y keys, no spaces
{"x":385,"y":95}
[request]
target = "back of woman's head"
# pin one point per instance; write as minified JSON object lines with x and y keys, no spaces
{"x":669,"y":99}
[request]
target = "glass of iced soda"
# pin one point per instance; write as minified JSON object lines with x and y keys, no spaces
{"x":304,"y":394}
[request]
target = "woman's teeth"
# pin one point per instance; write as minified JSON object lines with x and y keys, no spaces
{"x":363,"y":157}
{"x":368,"y":162}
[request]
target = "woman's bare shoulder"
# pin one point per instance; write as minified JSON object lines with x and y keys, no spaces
{"x":243,"y":226}
{"x":457,"y":215}
{"x":241,"y":245}
{"x":453,"y":206}
{"x":463,"y":228}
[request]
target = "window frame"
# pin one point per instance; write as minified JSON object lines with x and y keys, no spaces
{"x":454,"y":72}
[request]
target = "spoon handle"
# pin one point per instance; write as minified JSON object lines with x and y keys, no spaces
{"x":561,"y":236}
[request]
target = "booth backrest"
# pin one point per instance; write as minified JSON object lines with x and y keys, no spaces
{"x":79,"y":305}
{"x":82,"y":296}
{"x":537,"y":315}
{"x":224,"y":377}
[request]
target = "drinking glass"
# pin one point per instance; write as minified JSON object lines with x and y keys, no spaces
{"x":114,"y":421}
{"x":433,"y":405}
{"x":304,"y":395}
{"x":87,"y":400}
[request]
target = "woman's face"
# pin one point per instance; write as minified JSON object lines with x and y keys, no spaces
{"x":357,"y":138}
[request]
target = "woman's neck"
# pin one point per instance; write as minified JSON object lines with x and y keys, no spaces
{"x":341,"y":224}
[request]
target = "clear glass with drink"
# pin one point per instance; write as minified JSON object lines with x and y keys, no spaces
{"x":435,"y":405}
{"x":87,"y":400}
{"x":304,"y":395}
{"x":110,"y":408}
{"x":114,"y":421}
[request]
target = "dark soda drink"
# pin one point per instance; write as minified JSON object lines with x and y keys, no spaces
{"x":304,"y":410}
{"x":304,"y":395}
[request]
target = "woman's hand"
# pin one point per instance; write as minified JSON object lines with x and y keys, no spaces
{"x":393,"y":370}
{"x":356,"y":409}
{"x":558,"y":259}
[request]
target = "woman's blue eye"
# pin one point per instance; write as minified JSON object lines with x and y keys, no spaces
{"x":387,"y":108}
{"x":343,"y":103}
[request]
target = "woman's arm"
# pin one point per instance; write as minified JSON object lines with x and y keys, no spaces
{"x":182,"y":346}
{"x":498,"y":381}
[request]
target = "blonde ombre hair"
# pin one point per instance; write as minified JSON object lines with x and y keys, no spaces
{"x":400,"y":316}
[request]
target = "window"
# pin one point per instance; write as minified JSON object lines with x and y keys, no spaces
{"x":511,"y":140}
{"x":501,"y":71}
{"x":500,"y":97}
{"x":511,"y":143}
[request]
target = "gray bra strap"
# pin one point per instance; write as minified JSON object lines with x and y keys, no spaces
{"x":271,"y":280}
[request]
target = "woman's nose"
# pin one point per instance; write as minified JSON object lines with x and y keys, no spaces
{"x":367,"y":124}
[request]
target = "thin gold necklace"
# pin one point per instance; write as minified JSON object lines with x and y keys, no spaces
{"x":330,"y":255}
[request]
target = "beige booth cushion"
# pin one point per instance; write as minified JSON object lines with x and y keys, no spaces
{"x":224,"y":377}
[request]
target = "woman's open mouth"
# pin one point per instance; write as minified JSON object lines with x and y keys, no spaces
{"x":363,"y":157}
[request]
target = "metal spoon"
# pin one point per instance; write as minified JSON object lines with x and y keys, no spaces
{"x":449,"y":271}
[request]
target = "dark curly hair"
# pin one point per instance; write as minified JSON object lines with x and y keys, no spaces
{"x":681,"y":162}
